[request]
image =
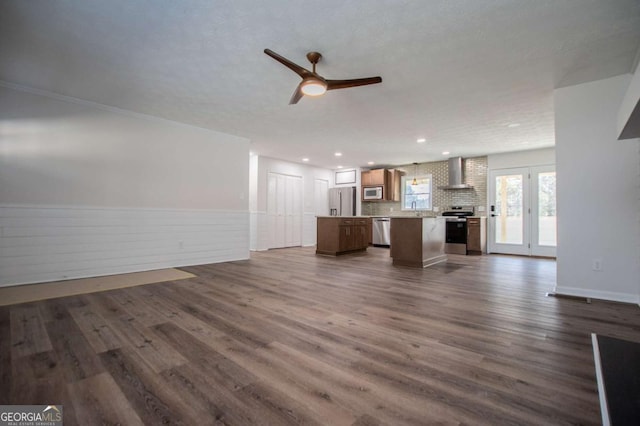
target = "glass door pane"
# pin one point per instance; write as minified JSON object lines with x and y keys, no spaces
{"x":547,"y":209}
{"x":509,"y":209}
{"x":543,"y":181}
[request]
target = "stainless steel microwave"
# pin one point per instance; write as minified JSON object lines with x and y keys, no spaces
{"x":372,"y":193}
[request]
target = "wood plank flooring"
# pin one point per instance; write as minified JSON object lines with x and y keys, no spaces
{"x":293,"y":338}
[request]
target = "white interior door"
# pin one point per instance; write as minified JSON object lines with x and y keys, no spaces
{"x":284,"y":210}
{"x":276,"y":210}
{"x":522,"y":212}
{"x":294,"y":210}
{"x":321,"y":197}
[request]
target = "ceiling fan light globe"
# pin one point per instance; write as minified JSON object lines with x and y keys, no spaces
{"x":313,"y":88}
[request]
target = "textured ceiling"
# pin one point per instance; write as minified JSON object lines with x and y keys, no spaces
{"x":454,"y":71}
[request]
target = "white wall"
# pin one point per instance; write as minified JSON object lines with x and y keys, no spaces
{"x":598,"y":193}
{"x":260,"y":169}
{"x":534,"y":157}
{"x":87,"y":190}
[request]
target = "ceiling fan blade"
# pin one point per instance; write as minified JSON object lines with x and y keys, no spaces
{"x":297,"y":95}
{"x":302,"y":72}
{"x":343,"y":84}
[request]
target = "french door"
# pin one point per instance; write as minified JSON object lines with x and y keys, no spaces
{"x":522,"y":213}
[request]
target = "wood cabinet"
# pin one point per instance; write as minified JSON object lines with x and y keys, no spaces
{"x":476,"y":235}
{"x":393,"y":193}
{"x":388,"y":179}
{"x":376,"y":177}
{"x":340,"y":235}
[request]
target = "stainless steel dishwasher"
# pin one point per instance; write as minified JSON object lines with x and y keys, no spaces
{"x":381,"y":231}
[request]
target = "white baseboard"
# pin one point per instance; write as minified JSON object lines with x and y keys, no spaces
{"x":597,"y":294}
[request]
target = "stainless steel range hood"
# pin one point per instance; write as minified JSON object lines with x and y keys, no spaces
{"x":456,"y":175}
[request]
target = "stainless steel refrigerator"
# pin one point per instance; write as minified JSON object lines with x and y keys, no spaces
{"x":342,"y":201}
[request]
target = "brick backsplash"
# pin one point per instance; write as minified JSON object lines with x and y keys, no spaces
{"x":475,"y":174}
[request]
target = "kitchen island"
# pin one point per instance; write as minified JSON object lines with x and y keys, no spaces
{"x":417,"y":241}
{"x":341,"y":235}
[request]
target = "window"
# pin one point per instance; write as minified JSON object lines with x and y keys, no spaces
{"x":345,"y":176}
{"x":416,"y":197}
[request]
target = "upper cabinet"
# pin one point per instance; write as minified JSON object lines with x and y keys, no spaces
{"x":377,"y":177}
{"x":394,"y":184}
{"x":388,"y":179}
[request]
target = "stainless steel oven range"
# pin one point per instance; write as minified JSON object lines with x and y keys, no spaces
{"x":456,"y":229}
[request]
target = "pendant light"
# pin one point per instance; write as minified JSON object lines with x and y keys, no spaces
{"x":414,"y":182}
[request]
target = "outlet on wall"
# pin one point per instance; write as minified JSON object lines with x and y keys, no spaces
{"x":596,"y":264}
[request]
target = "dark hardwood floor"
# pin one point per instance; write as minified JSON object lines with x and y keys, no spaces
{"x":289,"y":337}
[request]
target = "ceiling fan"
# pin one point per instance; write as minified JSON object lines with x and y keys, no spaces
{"x":313,"y":84}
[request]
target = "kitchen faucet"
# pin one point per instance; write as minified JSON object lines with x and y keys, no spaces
{"x":414,"y":207}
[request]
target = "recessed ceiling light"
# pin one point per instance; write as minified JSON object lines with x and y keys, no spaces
{"x":339,"y":167}
{"x":512,"y":125}
{"x":371,"y":163}
{"x":421,"y":140}
{"x":445,"y":153}
{"x":338,"y":154}
{"x":305,"y":159}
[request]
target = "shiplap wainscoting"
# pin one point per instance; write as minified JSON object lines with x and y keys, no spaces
{"x":259,"y":231}
{"x":39,"y":244}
